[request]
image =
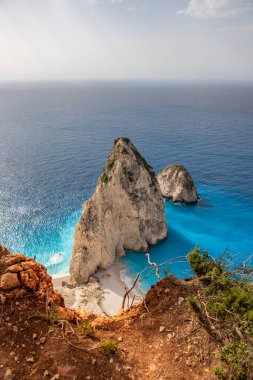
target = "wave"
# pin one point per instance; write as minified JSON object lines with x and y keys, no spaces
{"x":57,"y":258}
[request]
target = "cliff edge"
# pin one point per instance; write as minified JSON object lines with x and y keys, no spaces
{"x":126,"y":212}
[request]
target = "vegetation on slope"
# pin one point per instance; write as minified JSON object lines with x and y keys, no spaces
{"x":224,"y":303}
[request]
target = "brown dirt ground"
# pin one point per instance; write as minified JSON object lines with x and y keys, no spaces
{"x":162,"y":340}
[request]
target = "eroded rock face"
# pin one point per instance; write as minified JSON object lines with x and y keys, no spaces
{"x":20,"y":275}
{"x":126,"y":212}
{"x":177,"y":184}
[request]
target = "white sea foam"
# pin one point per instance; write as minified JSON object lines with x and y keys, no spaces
{"x":57,"y":258}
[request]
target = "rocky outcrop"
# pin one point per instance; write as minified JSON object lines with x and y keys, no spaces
{"x":20,"y":276}
{"x":126,"y":212}
{"x":177,"y":184}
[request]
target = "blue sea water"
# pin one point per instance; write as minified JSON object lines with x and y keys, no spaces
{"x":54,"y":140}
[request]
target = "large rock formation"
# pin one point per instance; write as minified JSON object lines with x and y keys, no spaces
{"x":126,"y":212}
{"x":21,"y":276}
{"x":177,"y":184}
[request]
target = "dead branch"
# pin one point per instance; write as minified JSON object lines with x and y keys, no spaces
{"x":129,"y":290}
{"x":154,"y":265}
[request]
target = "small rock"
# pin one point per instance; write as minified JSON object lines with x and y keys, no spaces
{"x":30,"y":359}
{"x":111,"y":361}
{"x":8,"y":374}
{"x":180,"y":300}
{"x":16,"y":358}
{"x":15,"y":329}
{"x":46,"y":373}
{"x":2,"y":299}
{"x":93,"y":361}
{"x":162,"y":328}
{"x":120,"y":339}
{"x":42,"y":340}
{"x":34,"y":336}
{"x":56,"y":376}
{"x":12,"y":353}
{"x":88,"y":377}
{"x":170,"y":336}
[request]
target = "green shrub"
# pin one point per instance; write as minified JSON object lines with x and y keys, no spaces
{"x":221,"y":373}
{"x":105,"y":178}
{"x":53,"y":315}
{"x":109,"y":346}
{"x":85,"y":328}
{"x":229,"y":300}
{"x":194,"y":304}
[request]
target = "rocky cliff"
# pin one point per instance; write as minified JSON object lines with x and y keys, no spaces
{"x":126,"y":212}
{"x":177,"y":184}
{"x":21,"y":276}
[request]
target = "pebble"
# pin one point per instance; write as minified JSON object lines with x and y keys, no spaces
{"x":120,"y":339}
{"x":46,"y":373}
{"x":8,"y":374}
{"x":56,"y":376}
{"x":93,"y":361}
{"x":42,"y":340}
{"x":34,"y":336}
{"x":180,"y":300}
{"x":162,"y":328}
{"x":170,"y":336}
{"x":30,"y":359}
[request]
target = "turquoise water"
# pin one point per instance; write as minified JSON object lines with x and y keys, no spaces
{"x":219,"y":222}
{"x":54,"y":140}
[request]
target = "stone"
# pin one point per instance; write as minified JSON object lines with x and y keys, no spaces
{"x":42,"y":340}
{"x":29,"y":279}
{"x":2,"y":299}
{"x":15,"y":268}
{"x":180,"y":300}
{"x":120,"y":339}
{"x":8,"y":374}
{"x":30,"y":359}
{"x":9,"y":281}
{"x":55,"y":377}
{"x":162,"y":328}
{"x":20,"y":275}
{"x":177,"y":184}
{"x":126,"y":212}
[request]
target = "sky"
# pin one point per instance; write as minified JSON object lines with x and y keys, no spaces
{"x":126,"y":40}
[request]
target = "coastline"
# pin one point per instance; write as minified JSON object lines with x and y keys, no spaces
{"x":102,"y":295}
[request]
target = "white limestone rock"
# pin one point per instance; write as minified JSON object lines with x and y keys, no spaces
{"x":177,"y":184}
{"x":126,"y":212}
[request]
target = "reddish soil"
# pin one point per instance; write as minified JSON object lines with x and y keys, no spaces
{"x":161,"y":339}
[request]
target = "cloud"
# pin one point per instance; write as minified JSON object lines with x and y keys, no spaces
{"x":216,"y":8}
{"x":92,"y":2}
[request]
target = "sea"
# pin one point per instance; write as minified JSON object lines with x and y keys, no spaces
{"x":54,"y":141}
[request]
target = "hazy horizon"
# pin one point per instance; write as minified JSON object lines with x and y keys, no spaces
{"x":126,"y":40}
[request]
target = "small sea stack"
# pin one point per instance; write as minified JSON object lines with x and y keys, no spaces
{"x":126,"y":212}
{"x":177,"y":184}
